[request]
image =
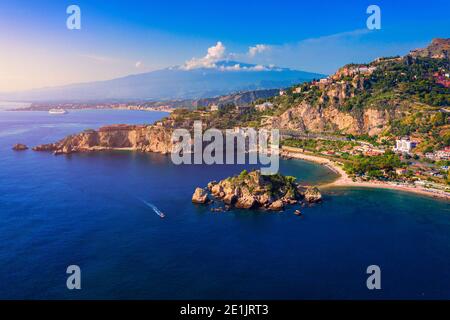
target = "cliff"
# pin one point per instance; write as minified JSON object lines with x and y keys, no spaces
{"x":308,"y":118}
{"x":130,"y":137}
{"x":439,"y":48}
{"x":369,"y":98}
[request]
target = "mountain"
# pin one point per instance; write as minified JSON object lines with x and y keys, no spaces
{"x":173,"y":83}
{"x":439,"y":48}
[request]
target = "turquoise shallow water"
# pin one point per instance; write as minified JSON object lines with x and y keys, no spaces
{"x":86,"y":209}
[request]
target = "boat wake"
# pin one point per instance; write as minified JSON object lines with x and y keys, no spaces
{"x":152,"y":206}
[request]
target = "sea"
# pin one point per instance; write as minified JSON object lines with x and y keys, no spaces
{"x":97,"y":211}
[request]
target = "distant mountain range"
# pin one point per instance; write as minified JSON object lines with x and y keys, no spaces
{"x":173,"y":83}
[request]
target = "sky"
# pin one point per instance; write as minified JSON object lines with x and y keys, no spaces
{"x":118,"y":38}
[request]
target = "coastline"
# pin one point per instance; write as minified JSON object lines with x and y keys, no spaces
{"x":28,"y":109}
{"x":345,"y":180}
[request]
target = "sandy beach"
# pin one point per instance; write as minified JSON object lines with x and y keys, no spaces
{"x":345,"y":180}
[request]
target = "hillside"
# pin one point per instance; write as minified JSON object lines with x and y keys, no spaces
{"x":386,"y":98}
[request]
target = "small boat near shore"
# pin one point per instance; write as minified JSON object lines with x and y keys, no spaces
{"x":57,"y":111}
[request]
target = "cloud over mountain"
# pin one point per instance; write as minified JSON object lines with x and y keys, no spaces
{"x":259,"y":48}
{"x":215,"y":53}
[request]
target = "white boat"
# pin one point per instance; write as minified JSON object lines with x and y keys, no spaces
{"x":57,"y":111}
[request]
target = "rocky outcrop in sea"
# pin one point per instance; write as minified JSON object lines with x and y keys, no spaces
{"x":19,"y":147}
{"x":252,"y":190}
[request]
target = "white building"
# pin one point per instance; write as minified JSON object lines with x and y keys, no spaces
{"x":214,"y":107}
{"x":263,"y":107}
{"x":325,"y":81}
{"x":282,"y":92}
{"x":443,"y":154}
{"x":404,"y":145}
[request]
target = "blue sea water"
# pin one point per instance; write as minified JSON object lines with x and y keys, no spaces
{"x":89,"y":210}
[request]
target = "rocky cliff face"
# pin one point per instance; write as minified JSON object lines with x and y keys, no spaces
{"x":326,"y":113}
{"x":439,"y":48}
{"x":139,"y":138}
{"x":308,"y":118}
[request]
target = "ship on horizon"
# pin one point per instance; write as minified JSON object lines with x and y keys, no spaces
{"x":57,"y":111}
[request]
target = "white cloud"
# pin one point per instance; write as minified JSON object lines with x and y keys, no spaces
{"x":98,"y":58}
{"x":215,"y":53}
{"x":218,"y":52}
{"x":257,"y":49}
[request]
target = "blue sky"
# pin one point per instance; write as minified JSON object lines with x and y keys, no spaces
{"x":123,"y":37}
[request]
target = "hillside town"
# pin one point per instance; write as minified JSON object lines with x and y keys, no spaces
{"x":412,"y":150}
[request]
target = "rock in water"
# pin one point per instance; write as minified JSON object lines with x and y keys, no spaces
{"x":200,"y":196}
{"x":245,"y":202}
{"x":20,"y":147}
{"x":312,"y":195}
{"x":276,"y":205}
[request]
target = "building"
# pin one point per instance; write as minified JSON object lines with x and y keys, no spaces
{"x":404,"y":145}
{"x":297,"y":90}
{"x":368,"y":150}
{"x":443,"y":154}
{"x":430,"y":155}
{"x":214,"y":107}
{"x":373,"y":152}
{"x":263,"y":107}
{"x":282,"y":93}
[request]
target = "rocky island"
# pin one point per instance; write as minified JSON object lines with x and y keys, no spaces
{"x":252,"y":190}
{"x":19,"y":147}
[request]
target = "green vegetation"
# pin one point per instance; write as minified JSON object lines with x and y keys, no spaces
{"x":277,"y":185}
{"x":286,"y":184}
{"x":315,"y":145}
{"x":377,"y":167}
{"x":399,"y":80}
